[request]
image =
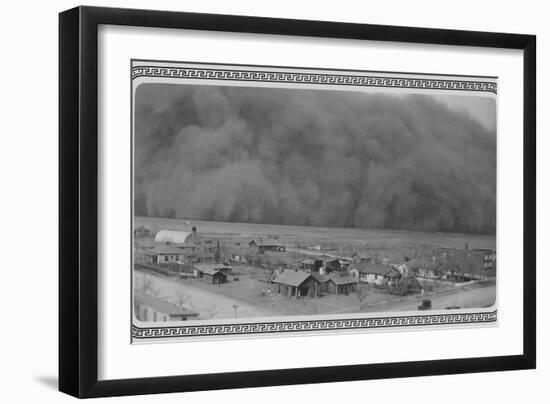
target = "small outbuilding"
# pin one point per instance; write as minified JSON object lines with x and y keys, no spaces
{"x":212,"y":273}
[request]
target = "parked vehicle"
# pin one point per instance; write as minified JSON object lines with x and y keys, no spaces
{"x":426,"y":305}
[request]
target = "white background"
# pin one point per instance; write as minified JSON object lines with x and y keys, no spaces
{"x":120,"y":360}
{"x":29,"y":189}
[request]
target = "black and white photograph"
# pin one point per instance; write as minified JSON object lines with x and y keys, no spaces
{"x":312,"y":195}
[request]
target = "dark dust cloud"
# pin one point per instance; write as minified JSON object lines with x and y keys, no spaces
{"x":311,"y":157}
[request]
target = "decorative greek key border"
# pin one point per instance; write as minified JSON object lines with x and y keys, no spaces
{"x":321,"y":78}
{"x":312,"y":325}
{"x":297,"y":76}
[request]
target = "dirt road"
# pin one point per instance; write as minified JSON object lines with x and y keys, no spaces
{"x":208,"y":304}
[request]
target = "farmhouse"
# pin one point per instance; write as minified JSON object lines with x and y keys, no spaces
{"x":212,"y":273}
{"x":164,"y":254}
{"x":297,"y":284}
{"x":376,"y":273}
{"x":150,"y":308}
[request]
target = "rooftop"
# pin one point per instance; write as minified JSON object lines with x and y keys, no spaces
{"x":368,"y":268}
{"x":292,"y":278}
{"x":165,"y":249}
{"x":161,"y":305}
{"x":211,"y":269}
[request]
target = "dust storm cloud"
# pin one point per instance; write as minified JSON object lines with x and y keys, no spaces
{"x":312,"y":157}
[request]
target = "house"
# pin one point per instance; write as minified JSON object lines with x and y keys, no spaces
{"x":462,"y":265}
{"x":377,"y":274}
{"x":291,"y":283}
{"x":338,"y":284}
{"x":176,"y":236}
{"x":252,"y":244}
{"x":164,"y":254}
{"x":150,"y":308}
{"x":357,"y":258}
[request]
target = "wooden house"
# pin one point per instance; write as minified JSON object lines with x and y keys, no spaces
{"x":291,"y":283}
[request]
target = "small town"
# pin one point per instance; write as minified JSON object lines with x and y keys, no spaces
{"x":187,"y":274}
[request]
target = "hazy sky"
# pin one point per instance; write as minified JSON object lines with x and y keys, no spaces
{"x":481,"y":108}
{"x":316,"y":157}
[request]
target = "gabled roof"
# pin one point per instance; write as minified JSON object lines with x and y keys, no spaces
{"x":341,"y":280}
{"x":368,"y":268}
{"x":161,"y":305}
{"x":292,"y":278}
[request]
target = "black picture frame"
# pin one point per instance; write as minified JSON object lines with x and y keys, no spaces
{"x":78,"y":200}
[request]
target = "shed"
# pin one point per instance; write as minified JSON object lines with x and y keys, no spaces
{"x":212,"y":273}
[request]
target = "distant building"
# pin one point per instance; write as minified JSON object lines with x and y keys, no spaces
{"x":252,"y":244}
{"x":141,"y":231}
{"x":150,"y":308}
{"x":357,"y":258}
{"x":296,"y":284}
{"x":270,"y":247}
{"x":311,"y":265}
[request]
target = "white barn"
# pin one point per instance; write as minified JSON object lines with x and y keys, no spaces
{"x":175,"y":236}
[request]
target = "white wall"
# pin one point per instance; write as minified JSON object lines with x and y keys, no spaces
{"x":28,"y":164}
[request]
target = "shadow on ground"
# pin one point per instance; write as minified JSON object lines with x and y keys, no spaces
{"x":48,"y":381}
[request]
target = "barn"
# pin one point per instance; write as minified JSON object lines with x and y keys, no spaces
{"x":297,"y":284}
{"x":176,"y":236}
